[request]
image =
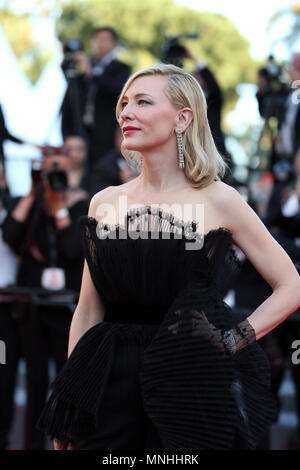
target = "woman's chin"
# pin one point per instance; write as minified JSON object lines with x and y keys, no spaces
{"x":131,"y":147}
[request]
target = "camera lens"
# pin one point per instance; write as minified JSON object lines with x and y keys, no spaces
{"x":57,"y":178}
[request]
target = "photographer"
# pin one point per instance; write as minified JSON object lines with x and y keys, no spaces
{"x":272,"y":92}
{"x":42,"y":229}
{"x":75,"y":95}
{"x":100,"y":82}
{"x":54,"y":209}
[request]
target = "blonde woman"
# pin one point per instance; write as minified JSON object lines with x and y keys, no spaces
{"x":158,"y":361}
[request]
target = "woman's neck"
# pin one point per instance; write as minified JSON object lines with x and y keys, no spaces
{"x":161,"y":173}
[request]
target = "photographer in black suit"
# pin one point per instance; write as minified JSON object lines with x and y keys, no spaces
{"x":42,"y":229}
{"x":100,"y":83}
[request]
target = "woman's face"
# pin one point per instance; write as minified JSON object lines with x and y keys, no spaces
{"x":147,"y":119}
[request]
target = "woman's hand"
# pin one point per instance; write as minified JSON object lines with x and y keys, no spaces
{"x":198,"y":325}
{"x":227,"y":342}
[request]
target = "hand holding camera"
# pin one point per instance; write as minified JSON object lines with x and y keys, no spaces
{"x":54,"y":200}
{"x":84,"y":63}
{"x":55,"y":184}
{"x":49,"y":180}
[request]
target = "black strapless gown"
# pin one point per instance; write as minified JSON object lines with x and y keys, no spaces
{"x":194,"y":396}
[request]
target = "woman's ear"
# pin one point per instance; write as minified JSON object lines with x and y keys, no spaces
{"x":184,"y":118}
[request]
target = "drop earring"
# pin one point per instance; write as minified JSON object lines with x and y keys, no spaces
{"x":180,"y":147}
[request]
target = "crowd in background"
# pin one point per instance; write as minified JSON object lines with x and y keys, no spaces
{"x":40,"y":251}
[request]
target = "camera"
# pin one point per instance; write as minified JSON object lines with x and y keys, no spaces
{"x":70,"y":64}
{"x":173,"y":52}
{"x":274,"y":90}
{"x":57,"y":178}
{"x":73,"y":45}
{"x":272,"y":72}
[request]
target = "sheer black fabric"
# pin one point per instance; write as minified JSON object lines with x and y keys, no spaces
{"x":159,"y":279}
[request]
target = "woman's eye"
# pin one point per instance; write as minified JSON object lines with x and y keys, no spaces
{"x":143,"y":102}
{"x":123,"y":104}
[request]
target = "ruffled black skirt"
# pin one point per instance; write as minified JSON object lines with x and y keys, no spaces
{"x":181,"y":393}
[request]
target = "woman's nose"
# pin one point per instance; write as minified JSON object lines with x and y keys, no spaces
{"x":126,"y":114}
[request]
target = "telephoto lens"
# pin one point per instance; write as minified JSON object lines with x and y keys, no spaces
{"x":57,"y":178}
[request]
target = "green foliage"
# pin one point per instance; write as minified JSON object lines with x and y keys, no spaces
{"x":33,"y":62}
{"x":32,"y":56}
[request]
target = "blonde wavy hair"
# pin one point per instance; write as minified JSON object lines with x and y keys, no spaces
{"x":203,"y":162}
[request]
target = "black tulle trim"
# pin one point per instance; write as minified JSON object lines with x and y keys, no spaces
{"x":64,"y":421}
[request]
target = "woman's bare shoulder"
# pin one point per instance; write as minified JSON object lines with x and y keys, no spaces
{"x":220,"y":191}
{"x":235,"y":212}
{"x":225,"y":200}
{"x":107,"y":195}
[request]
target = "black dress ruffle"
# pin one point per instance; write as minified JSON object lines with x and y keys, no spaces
{"x":196,"y":397}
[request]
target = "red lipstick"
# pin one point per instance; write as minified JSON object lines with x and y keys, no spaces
{"x":129,"y":130}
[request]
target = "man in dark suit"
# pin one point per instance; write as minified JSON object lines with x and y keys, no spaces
{"x":100,"y":86}
{"x":42,"y":229}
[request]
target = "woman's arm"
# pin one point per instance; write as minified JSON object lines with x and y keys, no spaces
{"x":268,"y":258}
{"x":90,"y":308}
